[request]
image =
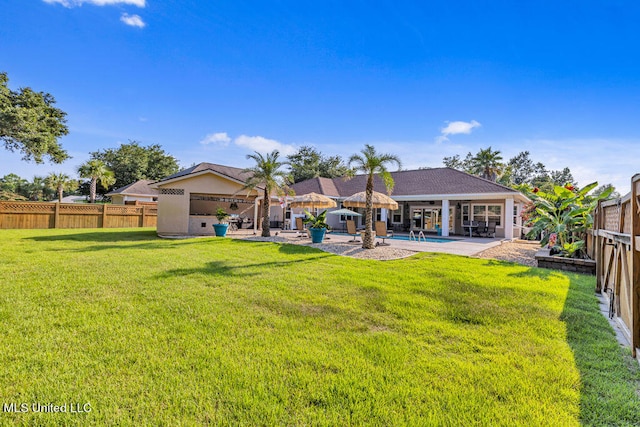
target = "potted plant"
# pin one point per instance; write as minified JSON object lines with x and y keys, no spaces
{"x":317,"y":226}
{"x":222,"y":225}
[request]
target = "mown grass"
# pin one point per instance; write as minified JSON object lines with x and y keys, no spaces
{"x":226,"y":332}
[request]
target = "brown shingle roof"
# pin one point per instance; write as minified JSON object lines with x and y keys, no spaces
{"x":139,"y":187}
{"x":419,"y":182}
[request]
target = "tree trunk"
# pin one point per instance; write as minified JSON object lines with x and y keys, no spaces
{"x":92,"y":190}
{"x":60,"y":193}
{"x":266,"y":232}
{"x":368,"y":241}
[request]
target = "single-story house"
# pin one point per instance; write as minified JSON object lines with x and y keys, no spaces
{"x":188,"y":200}
{"x":429,"y":200}
{"x":140,"y":191}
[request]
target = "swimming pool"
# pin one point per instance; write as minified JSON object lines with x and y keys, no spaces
{"x":402,"y":237}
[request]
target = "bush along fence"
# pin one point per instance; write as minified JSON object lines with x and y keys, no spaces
{"x":32,"y":215}
{"x":616,"y":234}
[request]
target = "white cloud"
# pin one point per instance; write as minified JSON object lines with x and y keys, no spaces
{"x":72,"y":3}
{"x":132,"y":20}
{"x":264,"y":145}
{"x":220,"y":138}
{"x":455,"y":128}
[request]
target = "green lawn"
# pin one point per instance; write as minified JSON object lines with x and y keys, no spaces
{"x":227,"y":332}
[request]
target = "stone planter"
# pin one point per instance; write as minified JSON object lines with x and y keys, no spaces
{"x":546,"y":260}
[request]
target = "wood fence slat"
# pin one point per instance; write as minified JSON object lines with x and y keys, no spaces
{"x":635,"y":266}
{"x":616,"y":237}
{"x":31,"y":215}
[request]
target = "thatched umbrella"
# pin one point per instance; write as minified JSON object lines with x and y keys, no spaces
{"x":312,"y":201}
{"x":380,"y":200}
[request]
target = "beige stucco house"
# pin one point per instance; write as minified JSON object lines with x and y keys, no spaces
{"x":188,"y":200}
{"x":430,"y":200}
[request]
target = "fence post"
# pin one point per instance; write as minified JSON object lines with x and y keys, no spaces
{"x":56,"y":216}
{"x":635,"y":266}
{"x":597,"y":246}
{"x":104,"y":215}
{"x":144,"y":213}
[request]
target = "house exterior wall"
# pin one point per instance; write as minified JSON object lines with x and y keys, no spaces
{"x":175,"y":198}
{"x":120,"y":199}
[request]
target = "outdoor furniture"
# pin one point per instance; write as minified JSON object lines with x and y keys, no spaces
{"x":490,"y":230}
{"x":302,"y":232}
{"x":383,"y":233}
{"x":481,"y":229}
{"x":351,"y":230}
{"x":470,"y":226}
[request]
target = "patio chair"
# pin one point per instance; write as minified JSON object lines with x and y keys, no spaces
{"x":351,"y":230}
{"x":481,"y":228}
{"x":383,"y":233}
{"x":490,"y":230}
{"x":303,"y":232}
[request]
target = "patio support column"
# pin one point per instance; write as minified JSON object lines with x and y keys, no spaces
{"x":508,"y":218}
{"x":445,"y":218}
{"x":256,"y":220}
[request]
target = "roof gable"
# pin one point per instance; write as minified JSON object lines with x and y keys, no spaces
{"x":228,"y":171}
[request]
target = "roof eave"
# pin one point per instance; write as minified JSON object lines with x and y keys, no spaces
{"x":157,"y":184}
{"x":460,"y":196}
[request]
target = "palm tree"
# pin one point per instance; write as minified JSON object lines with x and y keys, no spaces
{"x":488,"y":164}
{"x":36,"y":188}
{"x":266,"y":174}
{"x":96,"y":170}
{"x":60,"y":182}
{"x":372,"y":163}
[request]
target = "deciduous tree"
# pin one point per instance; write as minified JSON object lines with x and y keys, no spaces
{"x":309,"y":163}
{"x":31,"y":124}
{"x":132,"y":162}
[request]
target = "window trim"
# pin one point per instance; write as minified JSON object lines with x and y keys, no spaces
{"x":486,"y":212}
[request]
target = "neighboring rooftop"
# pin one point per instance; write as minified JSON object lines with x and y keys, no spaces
{"x":140,"y":188}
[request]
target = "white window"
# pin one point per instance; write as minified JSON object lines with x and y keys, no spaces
{"x":396,"y":216}
{"x":465,"y":214}
{"x":487,"y":213}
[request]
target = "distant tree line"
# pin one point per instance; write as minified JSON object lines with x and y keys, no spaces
{"x":520,"y":172}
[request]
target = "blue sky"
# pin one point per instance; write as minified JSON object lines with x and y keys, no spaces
{"x":214,"y":80}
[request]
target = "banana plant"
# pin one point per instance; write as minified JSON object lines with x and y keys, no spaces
{"x":564,"y":217}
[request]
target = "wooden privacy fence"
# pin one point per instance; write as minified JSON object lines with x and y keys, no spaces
{"x":616,"y":232}
{"x":73,"y":215}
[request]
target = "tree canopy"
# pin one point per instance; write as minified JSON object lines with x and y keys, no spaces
{"x":519,"y":171}
{"x":30,"y":124}
{"x":96,"y":170}
{"x":309,"y":163}
{"x":132,"y":162}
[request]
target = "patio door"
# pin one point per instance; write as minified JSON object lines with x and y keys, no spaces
{"x":425,"y":218}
